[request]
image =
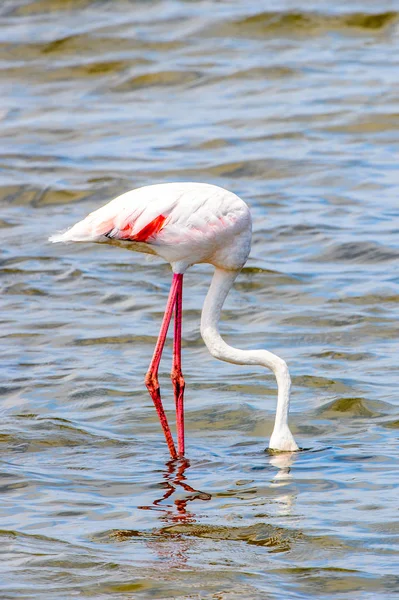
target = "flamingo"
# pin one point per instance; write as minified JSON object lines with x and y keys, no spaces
{"x":189,"y":223}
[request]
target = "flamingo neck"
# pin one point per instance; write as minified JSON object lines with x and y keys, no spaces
{"x":221,"y":284}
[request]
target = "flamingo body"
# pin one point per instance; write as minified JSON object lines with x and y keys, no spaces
{"x":184,"y":223}
{"x":188,"y":223}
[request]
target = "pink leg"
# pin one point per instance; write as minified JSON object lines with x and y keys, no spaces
{"x":176,"y":374}
{"x":151,"y":378}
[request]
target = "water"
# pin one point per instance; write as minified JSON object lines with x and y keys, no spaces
{"x":295,"y":110}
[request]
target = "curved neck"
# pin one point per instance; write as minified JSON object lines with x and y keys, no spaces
{"x":221,"y":284}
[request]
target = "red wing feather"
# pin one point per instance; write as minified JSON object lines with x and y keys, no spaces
{"x":150,"y":230}
{"x":125,"y":233}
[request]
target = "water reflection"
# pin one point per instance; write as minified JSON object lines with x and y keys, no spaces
{"x":168,"y":546}
{"x":283,"y":478}
{"x":283,"y":463}
{"x":175,"y":481}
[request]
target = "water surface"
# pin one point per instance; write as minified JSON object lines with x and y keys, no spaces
{"x":296,"y":110}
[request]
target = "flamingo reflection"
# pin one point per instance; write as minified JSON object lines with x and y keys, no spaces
{"x":282,"y":479}
{"x":174,"y":481}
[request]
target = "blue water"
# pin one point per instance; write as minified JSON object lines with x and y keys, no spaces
{"x":295,"y":109}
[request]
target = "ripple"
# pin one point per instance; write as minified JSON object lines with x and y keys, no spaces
{"x":256,"y":73}
{"x":36,"y":433}
{"x":162,"y":79}
{"x":391,"y":424}
{"x":358,"y":252}
{"x":346,"y":356}
{"x":305,"y":23}
{"x":349,"y":408}
{"x":23,"y":196}
{"x":261,"y":534}
{"x":45,"y":6}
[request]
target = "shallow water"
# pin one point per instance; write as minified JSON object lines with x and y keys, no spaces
{"x":295,"y":110}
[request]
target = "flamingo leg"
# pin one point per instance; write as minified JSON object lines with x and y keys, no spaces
{"x":151,"y":378}
{"x":176,"y":374}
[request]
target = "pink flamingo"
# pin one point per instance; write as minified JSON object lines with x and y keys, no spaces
{"x":185,"y":224}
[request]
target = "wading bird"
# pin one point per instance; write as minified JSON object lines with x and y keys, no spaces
{"x":185,"y":224}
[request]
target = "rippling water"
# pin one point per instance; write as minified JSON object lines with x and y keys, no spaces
{"x":296,"y":110}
